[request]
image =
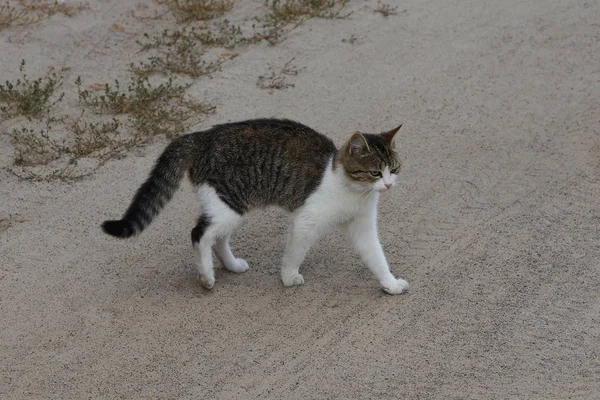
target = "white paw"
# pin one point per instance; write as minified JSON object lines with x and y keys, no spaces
{"x":293,"y":280}
{"x":207,"y":282}
{"x":395,"y":287}
{"x":238,"y":266}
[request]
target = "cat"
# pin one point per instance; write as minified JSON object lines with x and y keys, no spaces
{"x":240,"y":166}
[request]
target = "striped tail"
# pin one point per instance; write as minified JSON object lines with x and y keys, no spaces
{"x":158,"y":189}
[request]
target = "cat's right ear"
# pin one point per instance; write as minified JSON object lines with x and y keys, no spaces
{"x":389,"y":136}
{"x":358,"y":144}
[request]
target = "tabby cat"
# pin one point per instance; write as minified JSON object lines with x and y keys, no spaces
{"x":237,"y":167}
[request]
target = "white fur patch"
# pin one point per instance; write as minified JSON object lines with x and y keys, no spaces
{"x":340,"y":202}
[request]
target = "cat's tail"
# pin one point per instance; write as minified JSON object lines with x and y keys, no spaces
{"x":158,"y":189}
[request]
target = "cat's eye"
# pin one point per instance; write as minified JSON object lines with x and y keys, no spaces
{"x":395,"y":170}
{"x":375,"y":173}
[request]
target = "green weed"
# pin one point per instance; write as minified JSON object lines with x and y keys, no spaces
{"x":34,"y":147}
{"x":385,"y":9}
{"x":98,"y":140}
{"x":181,"y":51}
{"x":176,"y":52}
{"x":285,"y":15}
{"x":32,"y":11}
{"x":277,"y":77}
{"x":153,"y":110}
{"x":197,"y":10}
{"x":29,"y":97}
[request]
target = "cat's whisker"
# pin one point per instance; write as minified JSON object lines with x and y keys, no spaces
{"x":366,"y":192}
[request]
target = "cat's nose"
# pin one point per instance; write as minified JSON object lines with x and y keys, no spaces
{"x":388,"y":185}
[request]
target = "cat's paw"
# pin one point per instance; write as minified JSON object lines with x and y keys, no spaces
{"x":207,"y":282}
{"x":238,"y":266}
{"x":292,"y":280}
{"x":395,"y":287}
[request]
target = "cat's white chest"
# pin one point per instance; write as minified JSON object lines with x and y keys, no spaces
{"x":334,"y":202}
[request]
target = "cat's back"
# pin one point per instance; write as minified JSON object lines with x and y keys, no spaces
{"x":263,"y":161}
{"x":273,"y":133}
{"x":247,"y":143}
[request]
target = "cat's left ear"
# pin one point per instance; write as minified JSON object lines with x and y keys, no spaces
{"x":389,"y":136}
{"x":358,"y":144}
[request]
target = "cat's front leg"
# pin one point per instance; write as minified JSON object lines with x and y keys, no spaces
{"x":305,"y":231}
{"x":363,"y":233}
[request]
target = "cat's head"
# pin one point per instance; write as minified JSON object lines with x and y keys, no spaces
{"x":370,"y":161}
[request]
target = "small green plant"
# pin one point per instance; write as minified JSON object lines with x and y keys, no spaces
{"x":140,"y":94}
{"x":29,"y":97}
{"x":99,"y":139}
{"x":176,"y":52}
{"x":47,"y":8}
{"x":10,"y":15}
{"x":285,"y":15}
{"x":89,"y":139}
{"x":385,"y":9}
{"x":138,"y":113}
{"x":153,"y":110}
{"x":197,"y":10}
{"x":32,"y":11}
{"x":95,"y":140}
{"x":181,"y":51}
{"x":352,"y":39}
{"x":277,"y":78}
{"x":298,"y":10}
{"x":34,"y":147}
{"x":224,"y":35}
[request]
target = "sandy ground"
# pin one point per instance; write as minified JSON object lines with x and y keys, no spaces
{"x":495,"y":223}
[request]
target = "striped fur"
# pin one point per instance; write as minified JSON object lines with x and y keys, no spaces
{"x":158,"y":189}
{"x":250,"y":164}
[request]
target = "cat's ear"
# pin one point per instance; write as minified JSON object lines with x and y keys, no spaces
{"x":389,"y":136}
{"x":358,"y":144}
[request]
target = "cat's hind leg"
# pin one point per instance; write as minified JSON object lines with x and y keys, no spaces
{"x":227,"y":258}
{"x":213,"y":228}
{"x":202,"y":248}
